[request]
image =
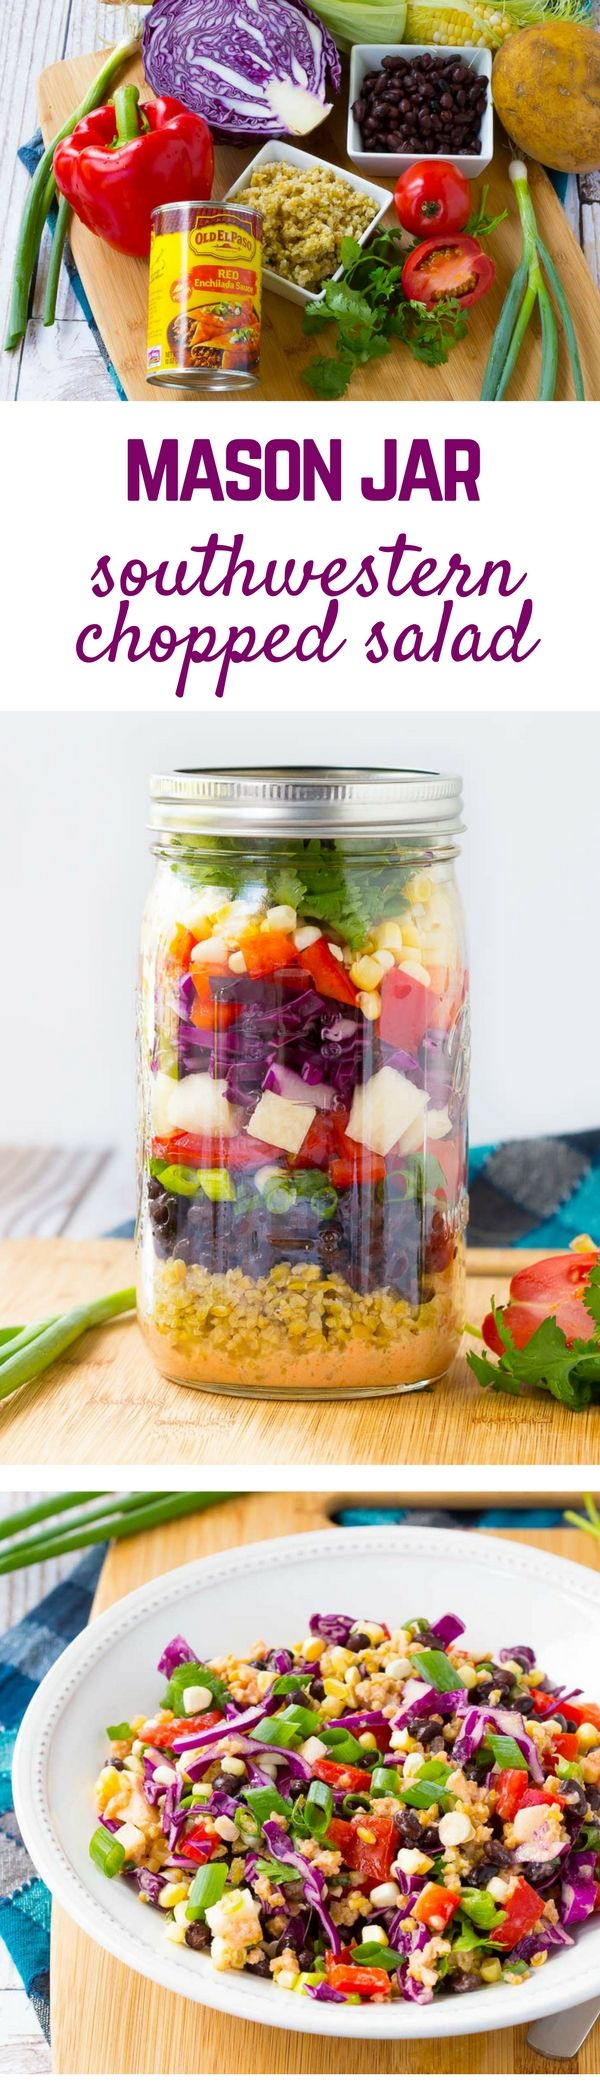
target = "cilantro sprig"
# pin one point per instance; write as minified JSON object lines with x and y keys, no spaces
{"x":569,"y":1371}
{"x":370,"y":312}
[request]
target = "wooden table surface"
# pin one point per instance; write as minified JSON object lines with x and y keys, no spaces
{"x":106,"y":2019}
{"x":64,"y":363}
{"x":107,"y":1397}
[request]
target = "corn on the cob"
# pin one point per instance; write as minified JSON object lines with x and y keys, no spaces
{"x":460,"y":22}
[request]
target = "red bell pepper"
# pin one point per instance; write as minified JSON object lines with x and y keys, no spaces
{"x":266,"y":952}
{"x":329,"y":976}
{"x":129,"y":156}
{"x":184,"y":1149}
{"x":346,"y":1776}
{"x":435,"y":1906}
{"x":523,"y":1908}
{"x":357,"y":1982}
{"x":164,"y":1731}
{"x":368,"y":1844}
{"x":509,"y":1789}
{"x":199,"y":1844}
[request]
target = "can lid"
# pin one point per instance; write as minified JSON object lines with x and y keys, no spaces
{"x":308,"y":801}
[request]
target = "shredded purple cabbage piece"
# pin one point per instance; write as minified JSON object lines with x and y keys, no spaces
{"x":177,"y":1651}
{"x":331,"y":1627}
{"x":579,"y":1888}
{"x":541,"y":1942}
{"x":524,"y":1656}
{"x":479,"y":1720}
{"x":448,"y":1628}
{"x":150,"y":1885}
{"x":281,"y":1847}
{"x":239,"y":1724}
{"x":324,"y":1991}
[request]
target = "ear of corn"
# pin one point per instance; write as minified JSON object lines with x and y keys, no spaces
{"x":450,"y":22}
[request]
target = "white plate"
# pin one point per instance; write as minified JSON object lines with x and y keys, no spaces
{"x":505,"y":1593}
{"x":366,"y":58}
{"x":296,"y":158}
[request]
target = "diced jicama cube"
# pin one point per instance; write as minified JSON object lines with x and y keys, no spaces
{"x":281,"y":1123}
{"x":383,"y":1109}
{"x":214,"y":950}
{"x":428,"y":1125}
{"x":163,"y":1090}
{"x":199,"y":1104}
{"x":202,"y":904}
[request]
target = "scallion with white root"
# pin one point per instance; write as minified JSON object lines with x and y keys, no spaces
{"x":535,"y":284}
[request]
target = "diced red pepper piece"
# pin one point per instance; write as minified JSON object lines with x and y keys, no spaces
{"x":199,"y":1843}
{"x":435,"y":1906}
{"x":534,"y":1796}
{"x":407,"y":1010}
{"x":183,"y":1148}
{"x":341,"y":1776}
{"x":368,"y":1846}
{"x":364,"y":1167}
{"x":566,"y":1746}
{"x":163,"y":1731}
{"x":214,"y":1013}
{"x":359,"y":1983}
{"x":329,"y":976}
{"x":509,"y":1789}
{"x":266,"y":952}
{"x":523,"y":1908}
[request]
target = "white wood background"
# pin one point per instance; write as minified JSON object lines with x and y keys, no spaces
{"x":48,"y":1190}
{"x":22,"y":2044}
{"x":63,"y":363}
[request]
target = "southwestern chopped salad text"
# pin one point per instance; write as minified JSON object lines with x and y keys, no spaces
{"x":362,"y":1815}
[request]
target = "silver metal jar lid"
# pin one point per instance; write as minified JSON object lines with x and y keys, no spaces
{"x":308,"y":801}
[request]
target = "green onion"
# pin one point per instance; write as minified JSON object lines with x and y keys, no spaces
{"x":207,"y":1887}
{"x":341,"y":1747}
{"x":142,"y":1513}
{"x":288,"y":1684}
{"x":52,"y":1506}
{"x":216,"y":1183}
{"x":506,"y":1753}
{"x":106,"y":1852}
{"x":557,"y":287}
{"x":34,"y":1356}
{"x":352,"y":1802}
{"x":301,"y":1718}
{"x":319,"y":1808}
{"x":437,"y":1670}
{"x":55,"y":265}
{"x":186,"y":1675}
{"x":119,"y":1731}
{"x":527,"y":290}
{"x":426,"y":1793}
{"x":481,"y":1909}
{"x":264,"y":1801}
{"x":385,"y":1781}
{"x":415,"y":1625}
{"x":22,"y":1338}
{"x":42,"y":189}
{"x":370,"y":1955}
{"x":275,"y":1730}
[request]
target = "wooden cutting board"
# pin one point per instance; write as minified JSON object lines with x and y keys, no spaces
{"x":116,"y":285}
{"x":107,"y":1397}
{"x":106,"y":2019}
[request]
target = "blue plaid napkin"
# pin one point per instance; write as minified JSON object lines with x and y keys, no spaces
{"x":26,"y":1654}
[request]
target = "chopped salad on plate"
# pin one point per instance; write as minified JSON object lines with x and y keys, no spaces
{"x":364,"y":1815}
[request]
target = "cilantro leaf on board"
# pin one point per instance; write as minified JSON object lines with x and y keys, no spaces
{"x":568,"y":1371}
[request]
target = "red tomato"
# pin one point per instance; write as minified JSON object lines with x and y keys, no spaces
{"x":406,"y":1011}
{"x":433,"y":197}
{"x":522,"y":1909}
{"x":164,"y":1730}
{"x":554,"y":1286}
{"x":345,"y":1776}
{"x":565,"y":1746}
{"x":321,"y":1141}
{"x":535,"y":1795}
{"x":369,"y":1845}
{"x":365,"y":1166}
{"x":435,"y":1906}
{"x":199,"y":1844}
{"x":449,"y":266}
{"x":362,"y":1983}
{"x":509,"y":1789}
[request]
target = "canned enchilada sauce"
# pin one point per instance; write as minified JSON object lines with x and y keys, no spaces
{"x":204,"y":296}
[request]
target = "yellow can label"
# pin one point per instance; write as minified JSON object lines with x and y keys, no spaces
{"x":205,"y":290}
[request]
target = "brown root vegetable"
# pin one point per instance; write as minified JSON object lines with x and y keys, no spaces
{"x":546,"y":87}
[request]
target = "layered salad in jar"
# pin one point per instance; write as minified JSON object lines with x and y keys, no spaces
{"x":304,"y":1068}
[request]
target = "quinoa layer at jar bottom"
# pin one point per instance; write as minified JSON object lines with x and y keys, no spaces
{"x":304,"y":1062}
{"x":364,"y":1814}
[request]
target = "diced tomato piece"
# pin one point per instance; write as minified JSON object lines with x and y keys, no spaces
{"x":522,"y":1910}
{"x":509,"y":1789}
{"x":360,"y":1983}
{"x":435,"y":1906}
{"x":184,"y":1149}
{"x":323,"y":1140}
{"x":565,"y":1746}
{"x":167,"y":1727}
{"x":535,"y":1795}
{"x":369,"y":1844}
{"x":199,"y":1843}
{"x":346,"y":1776}
{"x":590,"y":1712}
{"x":365,"y":1167}
{"x":266,"y":952}
{"x":329,"y":976}
{"x":407,"y":1009}
{"x":552,"y":1287}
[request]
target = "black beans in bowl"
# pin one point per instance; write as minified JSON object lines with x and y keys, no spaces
{"x":425,"y":104}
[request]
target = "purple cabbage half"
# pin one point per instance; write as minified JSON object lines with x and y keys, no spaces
{"x":315,"y":1887}
{"x":250,"y":67}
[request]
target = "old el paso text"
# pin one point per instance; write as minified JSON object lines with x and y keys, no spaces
{"x":290,"y":470}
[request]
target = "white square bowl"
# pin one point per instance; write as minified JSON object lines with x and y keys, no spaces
{"x":368,"y":57}
{"x":275,"y":149}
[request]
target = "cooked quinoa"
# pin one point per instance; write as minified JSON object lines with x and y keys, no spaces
{"x":364,"y":1814}
{"x":294,"y":1308}
{"x":306,"y":213}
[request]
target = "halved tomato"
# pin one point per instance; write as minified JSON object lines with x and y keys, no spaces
{"x":554,"y":1286}
{"x":448,"y":266}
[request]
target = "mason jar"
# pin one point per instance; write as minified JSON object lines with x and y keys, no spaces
{"x":303,"y":1070}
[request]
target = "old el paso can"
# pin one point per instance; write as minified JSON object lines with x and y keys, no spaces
{"x":204,"y":296}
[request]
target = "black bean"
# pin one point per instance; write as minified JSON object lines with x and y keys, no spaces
{"x":198,"y":1934}
{"x":260,"y":1968}
{"x":460,"y":1982}
{"x":408,"y":1828}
